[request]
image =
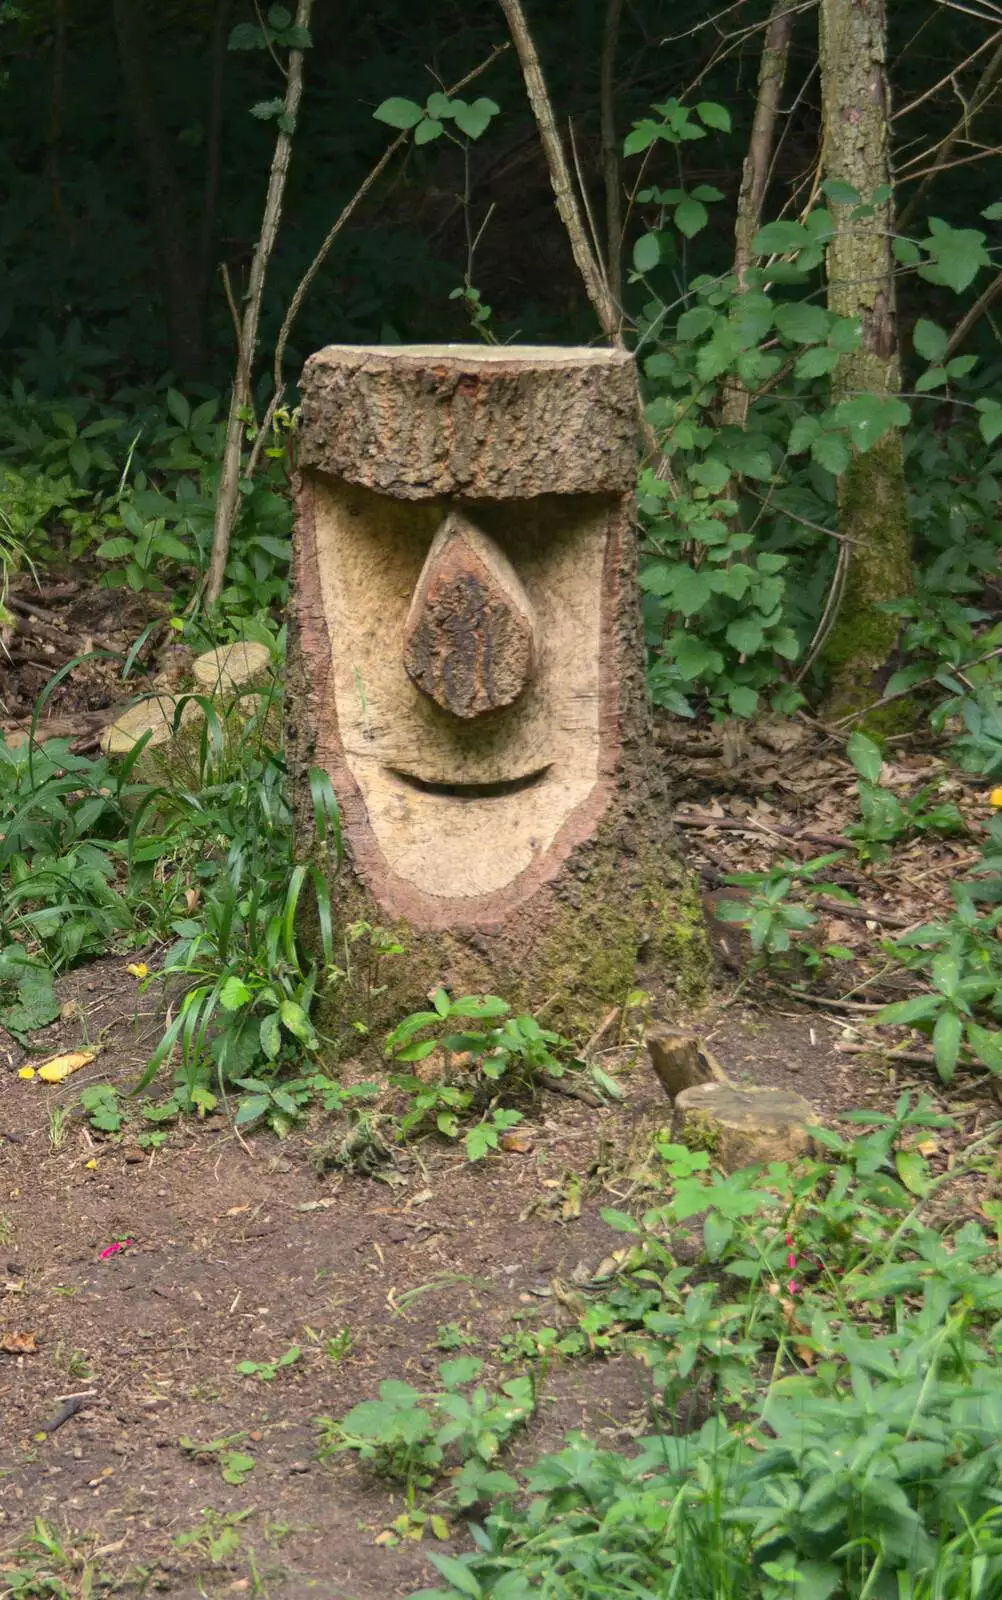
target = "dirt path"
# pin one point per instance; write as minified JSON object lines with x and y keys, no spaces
{"x":239,"y":1254}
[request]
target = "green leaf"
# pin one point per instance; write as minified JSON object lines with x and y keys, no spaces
{"x":234,"y":994}
{"x":920,"y":1008}
{"x":279,"y":17}
{"x":692,"y":588}
{"x":646,"y":252}
{"x":841,"y":194}
{"x":398,"y":113}
{"x":427,"y":130}
{"x":113,"y":549}
{"x":933,"y":378}
{"x":802,"y":323}
{"x":957,"y":255}
{"x":271,"y":1035}
{"x":264,"y":110}
{"x":865,"y":756}
{"x":779,"y":237}
{"x":714,"y":115}
{"x":993,"y":213}
{"x":831,"y":451}
{"x":235,"y":1466}
{"x":694,"y":658}
{"x":869,"y":417}
{"x":745,"y":635}
{"x":946,"y":1036}
{"x":987,"y":1046}
{"x":641,"y":137}
{"x":990,"y":420}
{"x":816,"y":363}
{"x":246,"y":36}
{"x":690,"y":217}
{"x":459,"y":1575}
{"x":743,"y":701}
{"x":913,"y":1171}
{"x":802,"y":435}
{"x":472,"y":120}
{"x":298,"y":1023}
{"x":695,"y":322}
{"x":930,"y":340}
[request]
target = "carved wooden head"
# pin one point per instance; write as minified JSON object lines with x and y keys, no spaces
{"x":461,"y":518}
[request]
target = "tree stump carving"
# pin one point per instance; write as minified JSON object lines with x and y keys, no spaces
{"x":466,"y":663}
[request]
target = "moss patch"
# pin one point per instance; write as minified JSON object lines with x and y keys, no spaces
{"x":595,"y":942}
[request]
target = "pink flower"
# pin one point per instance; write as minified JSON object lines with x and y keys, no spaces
{"x":115,"y":1249}
{"x":791,"y":1261}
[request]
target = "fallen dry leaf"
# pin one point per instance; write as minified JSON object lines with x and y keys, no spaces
{"x":518,"y":1141}
{"x":59,"y":1067}
{"x":18,"y":1344}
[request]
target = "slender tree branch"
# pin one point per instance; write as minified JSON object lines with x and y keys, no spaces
{"x":592,"y":276}
{"x":755,"y":175}
{"x":986,"y":299}
{"x":611,"y":149}
{"x":229,"y":480}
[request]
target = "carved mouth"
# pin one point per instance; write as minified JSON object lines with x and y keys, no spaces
{"x":473,"y":791}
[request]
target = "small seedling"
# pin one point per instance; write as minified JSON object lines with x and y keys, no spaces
{"x":234,"y":1465}
{"x":339,"y":1345}
{"x":100,"y":1102}
{"x":450,"y":1336}
{"x":267,"y":1371}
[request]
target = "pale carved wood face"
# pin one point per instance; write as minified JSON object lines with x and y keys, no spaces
{"x":465,"y":699}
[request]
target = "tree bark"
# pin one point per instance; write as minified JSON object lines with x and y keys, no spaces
{"x":176,"y":259}
{"x":872,"y":500}
{"x":520,"y":845}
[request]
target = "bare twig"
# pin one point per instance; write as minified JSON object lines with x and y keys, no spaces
{"x":755,"y":174}
{"x":902,"y":694}
{"x":833,"y":606}
{"x":983,"y":91}
{"x":592,"y":276}
{"x":754,"y":182}
{"x":696,"y":819}
{"x":229,"y":481}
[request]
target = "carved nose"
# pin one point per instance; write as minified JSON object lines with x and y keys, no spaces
{"x":470,"y":634}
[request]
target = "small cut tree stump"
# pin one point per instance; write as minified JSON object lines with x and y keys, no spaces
{"x":743,"y":1127}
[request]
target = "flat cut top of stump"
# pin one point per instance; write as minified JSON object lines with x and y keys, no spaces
{"x":479,"y":422}
{"x":469,"y":357}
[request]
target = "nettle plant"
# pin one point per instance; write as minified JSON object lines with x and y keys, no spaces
{"x":739,"y":516}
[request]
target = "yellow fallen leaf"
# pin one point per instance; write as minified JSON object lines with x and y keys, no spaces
{"x":995,"y":798}
{"x":91,"y":1165}
{"x":26,"y":1072}
{"x":138,"y":969}
{"x":59,"y":1067}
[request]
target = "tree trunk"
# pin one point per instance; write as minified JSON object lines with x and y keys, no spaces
{"x":872,"y":500}
{"x":176,"y":256}
{"x":467,"y":667}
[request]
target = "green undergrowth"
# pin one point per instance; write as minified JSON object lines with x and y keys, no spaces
{"x":824,"y":1393}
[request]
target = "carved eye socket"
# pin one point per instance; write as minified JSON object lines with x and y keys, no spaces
{"x":470,"y":634}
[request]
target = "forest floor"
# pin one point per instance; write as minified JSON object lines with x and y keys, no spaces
{"x":234,"y":1249}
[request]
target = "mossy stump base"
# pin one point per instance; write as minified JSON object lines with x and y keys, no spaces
{"x":743,"y":1127}
{"x":466,"y":664}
